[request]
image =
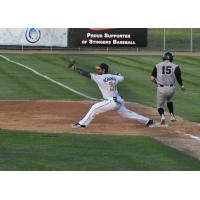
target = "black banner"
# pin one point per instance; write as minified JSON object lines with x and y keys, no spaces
{"x":107,"y":37}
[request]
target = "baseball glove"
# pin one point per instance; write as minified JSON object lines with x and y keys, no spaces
{"x":71,"y":63}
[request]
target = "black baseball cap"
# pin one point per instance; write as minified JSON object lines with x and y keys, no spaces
{"x":104,"y":66}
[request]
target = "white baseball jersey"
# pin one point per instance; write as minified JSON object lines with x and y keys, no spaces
{"x":107,"y":84}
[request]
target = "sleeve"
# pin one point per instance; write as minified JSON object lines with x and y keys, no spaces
{"x":154,"y":72}
{"x":82,"y":72}
{"x":94,"y":77}
{"x":178,"y":75}
{"x":120,"y":78}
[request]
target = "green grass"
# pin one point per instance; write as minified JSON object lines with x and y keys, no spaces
{"x":19,"y":83}
{"x":43,"y":151}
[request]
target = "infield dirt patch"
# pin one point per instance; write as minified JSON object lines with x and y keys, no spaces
{"x":58,"y":116}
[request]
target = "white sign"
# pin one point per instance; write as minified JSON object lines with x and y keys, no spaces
{"x":34,"y":36}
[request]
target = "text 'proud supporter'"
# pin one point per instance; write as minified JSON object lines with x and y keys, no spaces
{"x":107,"y":35}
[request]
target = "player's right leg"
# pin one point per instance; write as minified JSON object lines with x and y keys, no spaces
{"x":160,"y":104}
{"x":96,"y":109}
{"x":171,"y":111}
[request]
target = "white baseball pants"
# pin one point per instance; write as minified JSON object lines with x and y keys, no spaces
{"x":108,"y":105}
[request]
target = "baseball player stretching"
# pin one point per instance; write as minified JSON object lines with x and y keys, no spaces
{"x":164,"y":75}
{"x":107,"y":84}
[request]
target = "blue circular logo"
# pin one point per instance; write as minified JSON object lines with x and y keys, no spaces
{"x":32,"y":35}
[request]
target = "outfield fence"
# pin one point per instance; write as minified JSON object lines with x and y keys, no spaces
{"x":159,"y":39}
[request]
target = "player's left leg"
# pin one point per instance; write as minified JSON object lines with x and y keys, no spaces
{"x":133,"y":115}
{"x":161,"y":98}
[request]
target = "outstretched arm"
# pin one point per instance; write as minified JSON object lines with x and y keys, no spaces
{"x":82,"y":72}
{"x":78,"y":70}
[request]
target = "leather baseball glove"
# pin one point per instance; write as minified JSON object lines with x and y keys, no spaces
{"x":71,"y":63}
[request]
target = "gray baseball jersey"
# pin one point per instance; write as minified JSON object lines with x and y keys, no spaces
{"x":166,"y":73}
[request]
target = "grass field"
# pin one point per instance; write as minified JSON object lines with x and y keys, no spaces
{"x":40,"y":151}
{"x":31,"y":151}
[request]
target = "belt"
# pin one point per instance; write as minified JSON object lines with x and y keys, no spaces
{"x":115,"y":100}
{"x":171,"y":85}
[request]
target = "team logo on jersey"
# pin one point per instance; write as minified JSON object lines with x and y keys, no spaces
{"x":109,"y":79}
{"x":33,"y":35}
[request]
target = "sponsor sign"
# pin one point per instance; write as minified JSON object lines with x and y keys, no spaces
{"x":107,"y":37}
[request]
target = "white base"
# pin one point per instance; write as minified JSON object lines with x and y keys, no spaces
{"x":157,"y":124}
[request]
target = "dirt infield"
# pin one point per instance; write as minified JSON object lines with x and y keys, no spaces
{"x":58,"y":116}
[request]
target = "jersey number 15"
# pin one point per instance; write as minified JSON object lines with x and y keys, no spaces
{"x":166,"y":69}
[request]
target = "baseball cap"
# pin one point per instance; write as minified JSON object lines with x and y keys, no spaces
{"x":103,"y":66}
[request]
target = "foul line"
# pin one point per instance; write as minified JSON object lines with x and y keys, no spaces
{"x":193,"y":136}
{"x":48,"y":78}
{"x":189,"y":135}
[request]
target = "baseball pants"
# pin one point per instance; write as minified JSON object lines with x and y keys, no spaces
{"x":164,"y":94}
{"x":108,"y":105}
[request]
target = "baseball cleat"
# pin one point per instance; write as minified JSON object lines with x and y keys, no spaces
{"x":162,"y":121}
{"x":172,"y":117}
{"x":150,"y":122}
{"x":156,"y":124}
{"x":77,"y":125}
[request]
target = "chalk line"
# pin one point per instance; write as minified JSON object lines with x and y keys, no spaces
{"x":190,"y":135}
{"x":48,"y":78}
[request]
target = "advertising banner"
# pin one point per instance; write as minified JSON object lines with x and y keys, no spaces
{"x":107,"y":37}
{"x":34,"y":36}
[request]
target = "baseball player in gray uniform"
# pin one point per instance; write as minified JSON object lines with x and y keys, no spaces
{"x":164,"y":75}
{"x":112,"y":100}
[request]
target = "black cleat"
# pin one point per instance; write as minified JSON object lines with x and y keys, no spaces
{"x":77,"y":125}
{"x":150,"y":122}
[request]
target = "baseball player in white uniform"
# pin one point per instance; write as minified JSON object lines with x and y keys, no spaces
{"x":112,"y":100}
{"x":164,"y":75}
